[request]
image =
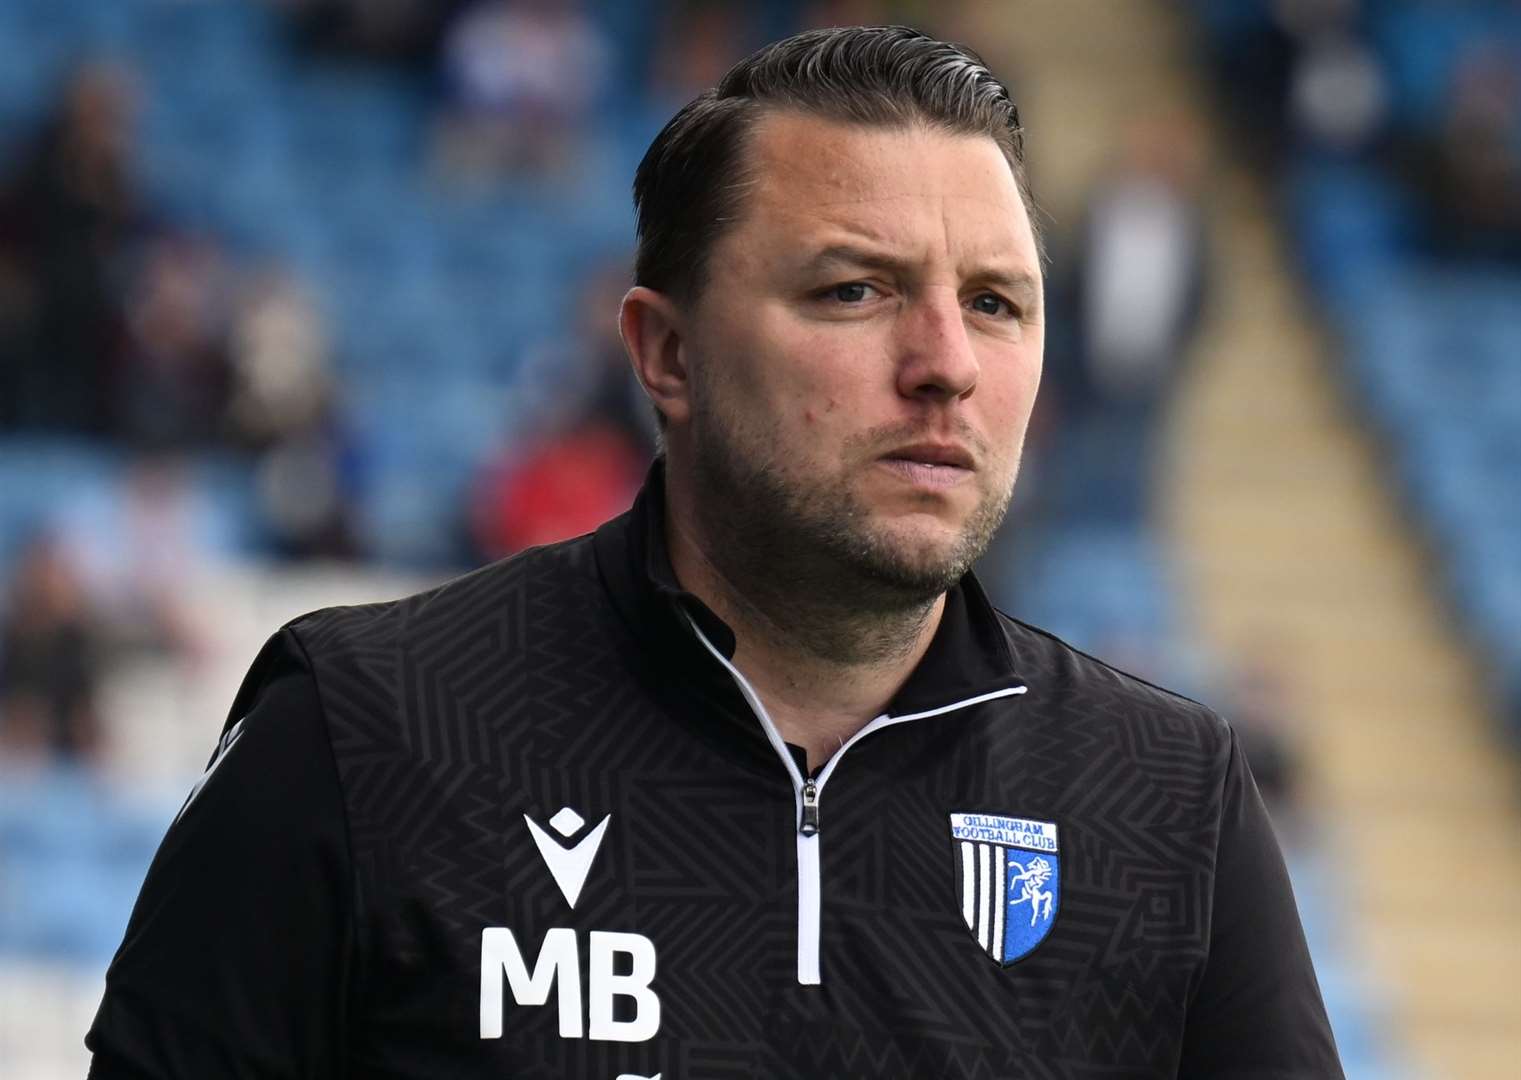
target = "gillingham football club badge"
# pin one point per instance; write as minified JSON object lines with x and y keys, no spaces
{"x":1008,"y":880}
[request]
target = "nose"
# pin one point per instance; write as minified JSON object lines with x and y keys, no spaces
{"x":936,"y":361}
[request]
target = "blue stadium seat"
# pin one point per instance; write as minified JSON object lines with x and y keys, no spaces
{"x":75,"y":853}
{"x":34,"y":470}
{"x":1348,"y":219}
{"x":1097,"y":585}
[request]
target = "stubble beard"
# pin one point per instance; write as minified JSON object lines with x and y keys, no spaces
{"x":807,"y":550}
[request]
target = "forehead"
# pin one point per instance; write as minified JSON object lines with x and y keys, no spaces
{"x":911,"y":188}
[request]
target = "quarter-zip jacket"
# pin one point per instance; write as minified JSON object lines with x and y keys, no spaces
{"x":534,"y":823}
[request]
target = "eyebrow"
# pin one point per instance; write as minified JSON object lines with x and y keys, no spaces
{"x":1016,"y":281}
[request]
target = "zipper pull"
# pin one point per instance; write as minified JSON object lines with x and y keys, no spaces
{"x":810,"y":825}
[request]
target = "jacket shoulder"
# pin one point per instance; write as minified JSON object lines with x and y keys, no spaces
{"x":1083,"y":688}
{"x":462,"y":606}
{"x":422,"y":694}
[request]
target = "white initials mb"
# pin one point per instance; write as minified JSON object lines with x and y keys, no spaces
{"x":559,"y":964}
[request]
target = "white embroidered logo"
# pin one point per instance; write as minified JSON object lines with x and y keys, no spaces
{"x":569,"y":865}
{"x":1030,"y":881}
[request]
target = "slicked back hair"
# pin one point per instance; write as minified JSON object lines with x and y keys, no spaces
{"x":687,"y":189}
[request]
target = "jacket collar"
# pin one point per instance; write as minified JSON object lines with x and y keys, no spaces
{"x":969,"y":654}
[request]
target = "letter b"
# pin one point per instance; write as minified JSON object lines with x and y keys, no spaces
{"x":605,"y":986}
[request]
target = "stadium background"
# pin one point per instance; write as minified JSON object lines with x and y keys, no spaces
{"x":311,"y":301}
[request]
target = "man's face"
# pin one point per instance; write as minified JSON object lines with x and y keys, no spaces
{"x":866,"y":350}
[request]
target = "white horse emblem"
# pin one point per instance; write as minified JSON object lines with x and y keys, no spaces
{"x":1031,"y":882}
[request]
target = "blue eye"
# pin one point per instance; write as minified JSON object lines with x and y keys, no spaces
{"x":989,"y":304}
{"x":852,"y":292}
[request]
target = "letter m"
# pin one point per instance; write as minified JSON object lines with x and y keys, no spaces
{"x":559,"y":963}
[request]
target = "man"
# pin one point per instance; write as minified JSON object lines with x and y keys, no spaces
{"x":753,"y":781}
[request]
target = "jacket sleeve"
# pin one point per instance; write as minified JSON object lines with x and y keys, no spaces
{"x":237,"y":957}
{"x":1257,"y":1013}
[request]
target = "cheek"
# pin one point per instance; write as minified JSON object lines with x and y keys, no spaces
{"x":811,"y":377}
{"x":1008,"y":387}
{"x":815,"y":412}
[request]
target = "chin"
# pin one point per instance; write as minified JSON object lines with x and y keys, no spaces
{"x":924,"y":538}
{"x":918,"y":560}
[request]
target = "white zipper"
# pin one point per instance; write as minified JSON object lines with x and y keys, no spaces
{"x":807,"y":791}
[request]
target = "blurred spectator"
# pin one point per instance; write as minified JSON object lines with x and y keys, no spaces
{"x":1339,"y":97}
{"x":1470,"y":172}
{"x":1287,"y":63}
{"x":68,"y":220}
{"x":50,"y":661}
{"x":142,"y":551}
{"x":824,"y":13}
{"x":584,"y":377}
{"x":1262,"y":713}
{"x":587,"y":449}
{"x":699,"y":43}
{"x":173,"y":375}
{"x":1253,"y":57}
{"x":561,"y":486}
{"x":521,"y":78}
{"x":279,"y":354}
{"x":306,"y":487}
{"x":406,"y":31}
{"x":602,"y":389}
{"x":1142,"y":263}
{"x":1137,"y":299}
{"x":284,"y":406}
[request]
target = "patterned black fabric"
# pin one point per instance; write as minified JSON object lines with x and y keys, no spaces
{"x":566,"y":677}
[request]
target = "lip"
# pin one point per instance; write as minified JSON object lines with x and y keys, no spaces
{"x":952,"y":455}
{"x":930,"y":465}
{"x":923,"y":475}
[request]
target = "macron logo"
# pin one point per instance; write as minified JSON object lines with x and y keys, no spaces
{"x":569,"y":865}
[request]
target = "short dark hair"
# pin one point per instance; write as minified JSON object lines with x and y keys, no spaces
{"x":688,"y":186}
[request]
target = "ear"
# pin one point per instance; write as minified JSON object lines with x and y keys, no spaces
{"x":654,"y":336}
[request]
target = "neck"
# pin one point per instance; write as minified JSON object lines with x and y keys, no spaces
{"x":822,"y":668}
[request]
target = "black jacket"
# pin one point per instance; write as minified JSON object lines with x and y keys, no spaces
{"x":527,"y":824}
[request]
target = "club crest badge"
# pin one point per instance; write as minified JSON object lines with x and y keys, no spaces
{"x":1008,"y":880}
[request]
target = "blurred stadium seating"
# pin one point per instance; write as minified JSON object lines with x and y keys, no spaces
{"x":432,"y":296}
{"x":1431,"y":336}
